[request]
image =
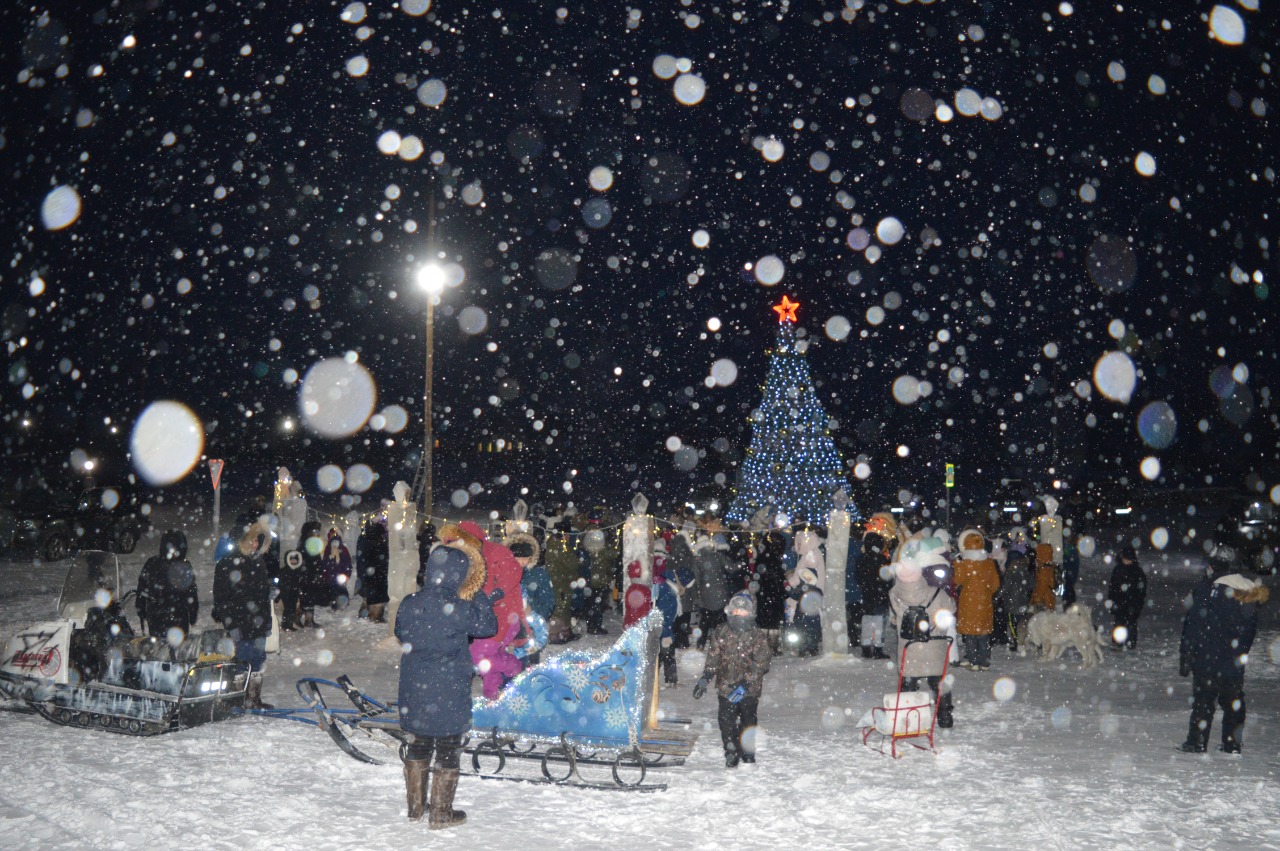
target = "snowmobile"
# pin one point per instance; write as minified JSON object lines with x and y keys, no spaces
{"x":574,"y":715}
{"x":86,"y":668}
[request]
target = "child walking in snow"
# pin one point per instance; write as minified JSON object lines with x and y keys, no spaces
{"x":738,"y":657}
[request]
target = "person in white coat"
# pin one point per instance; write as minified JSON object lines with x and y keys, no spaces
{"x":926,"y":645}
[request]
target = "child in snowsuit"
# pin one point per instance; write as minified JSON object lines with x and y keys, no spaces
{"x":493,"y":658}
{"x":738,"y":657}
{"x":667,"y":601}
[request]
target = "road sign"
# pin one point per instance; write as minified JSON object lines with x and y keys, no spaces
{"x":215,"y":470}
{"x":951,"y":475}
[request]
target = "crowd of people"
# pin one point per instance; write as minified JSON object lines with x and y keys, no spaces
{"x":487,"y":606}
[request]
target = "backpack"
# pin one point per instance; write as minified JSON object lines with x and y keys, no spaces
{"x":916,"y":623}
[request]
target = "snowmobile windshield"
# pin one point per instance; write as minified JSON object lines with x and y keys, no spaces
{"x":93,"y":578}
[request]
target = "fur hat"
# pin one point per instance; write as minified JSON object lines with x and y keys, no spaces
{"x":451,"y":535}
{"x":524,"y":547}
{"x":807,"y":576}
{"x":255,"y":537}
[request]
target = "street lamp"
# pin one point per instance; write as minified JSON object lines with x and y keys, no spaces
{"x":431,"y":278}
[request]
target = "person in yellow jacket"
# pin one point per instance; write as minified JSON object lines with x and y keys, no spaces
{"x":1043,"y":596}
{"x":978,"y":580}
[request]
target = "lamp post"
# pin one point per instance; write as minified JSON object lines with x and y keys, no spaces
{"x":431,"y":278}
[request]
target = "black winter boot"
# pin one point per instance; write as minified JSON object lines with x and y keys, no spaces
{"x":945,"y":718}
{"x":1197,"y":738}
{"x":731,"y":759}
{"x":866,"y":651}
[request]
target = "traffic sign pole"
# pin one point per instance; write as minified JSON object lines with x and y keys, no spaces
{"x":215,"y":472}
{"x":951,"y":483}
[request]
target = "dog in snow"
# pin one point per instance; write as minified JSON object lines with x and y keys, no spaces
{"x":1054,"y":632}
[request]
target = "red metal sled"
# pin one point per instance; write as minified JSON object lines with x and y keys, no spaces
{"x":896,"y":724}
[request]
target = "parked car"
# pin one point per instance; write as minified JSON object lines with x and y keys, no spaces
{"x":53,"y":523}
{"x":110,"y":518}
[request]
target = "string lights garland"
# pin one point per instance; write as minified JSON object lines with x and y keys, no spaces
{"x":792,"y":466}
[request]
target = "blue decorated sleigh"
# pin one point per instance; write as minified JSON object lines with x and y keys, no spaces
{"x":575,"y":714}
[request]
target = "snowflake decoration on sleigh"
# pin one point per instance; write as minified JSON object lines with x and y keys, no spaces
{"x":591,"y":697}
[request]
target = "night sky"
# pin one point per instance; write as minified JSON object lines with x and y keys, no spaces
{"x":1115,"y":193}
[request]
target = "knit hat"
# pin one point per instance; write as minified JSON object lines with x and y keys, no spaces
{"x":740,"y":602}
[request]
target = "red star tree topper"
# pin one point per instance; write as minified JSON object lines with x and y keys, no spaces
{"x":787,"y":310}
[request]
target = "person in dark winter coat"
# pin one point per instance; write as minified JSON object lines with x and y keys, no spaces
{"x":1217,"y":635}
{"x":738,"y":657}
{"x":1015,"y":588}
{"x":435,"y":626}
{"x":739,"y":555}
{"x":711,"y":567}
{"x":315,"y":591}
{"x":1070,"y":572}
{"x":337,"y":568}
{"x":1126,"y":596}
{"x":874,"y":581}
{"x":771,"y":598}
{"x":242,"y":605}
{"x":167,"y":597}
{"x":374,"y":556}
{"x":601,"y":558}
{"x":680,"y":570}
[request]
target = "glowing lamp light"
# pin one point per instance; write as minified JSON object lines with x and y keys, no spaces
{"x":431,"y":278}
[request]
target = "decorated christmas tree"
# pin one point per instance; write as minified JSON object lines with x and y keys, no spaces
{"x":792,"y":466}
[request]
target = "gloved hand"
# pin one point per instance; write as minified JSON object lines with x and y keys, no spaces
{"x":700,"y":688}
{"x":1184,"y":668}
{"x":496,"y":594}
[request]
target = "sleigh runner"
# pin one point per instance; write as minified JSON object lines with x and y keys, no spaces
{"x":572,"y":714}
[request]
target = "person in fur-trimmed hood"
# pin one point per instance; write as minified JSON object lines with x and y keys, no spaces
{"x":435,"y":626}
{"x":1216,"y":637}
{"x":738,"y":657}
{"x":978,"y":580}
{"x":502,"y":571}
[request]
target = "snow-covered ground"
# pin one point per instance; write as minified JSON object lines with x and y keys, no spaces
{"x":1043,"y":755}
